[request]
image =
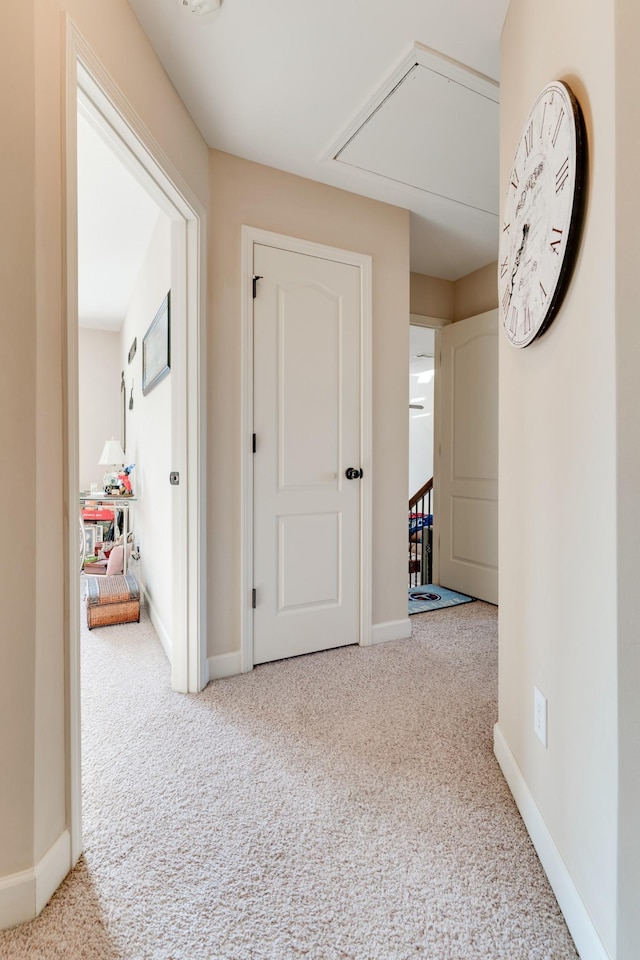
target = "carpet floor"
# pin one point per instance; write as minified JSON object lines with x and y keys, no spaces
{"x":340,"y":806}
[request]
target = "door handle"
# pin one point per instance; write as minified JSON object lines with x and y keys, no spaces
{"x":352,"y":473}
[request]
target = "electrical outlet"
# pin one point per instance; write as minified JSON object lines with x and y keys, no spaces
{"x":540,"y":716}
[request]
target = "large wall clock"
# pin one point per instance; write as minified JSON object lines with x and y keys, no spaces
{"x":542,"y":215}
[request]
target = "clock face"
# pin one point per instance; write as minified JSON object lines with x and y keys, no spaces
{"x":540,"y":224}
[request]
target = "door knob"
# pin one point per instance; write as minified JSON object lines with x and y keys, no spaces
{"x":352,"y":473}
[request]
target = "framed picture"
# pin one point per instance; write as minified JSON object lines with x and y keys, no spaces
{"x":89,"y":540}
{"x":156,"y":348}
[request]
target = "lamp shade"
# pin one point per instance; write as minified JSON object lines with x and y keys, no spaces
{"x":112,"y":452}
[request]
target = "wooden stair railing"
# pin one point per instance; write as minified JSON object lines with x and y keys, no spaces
{"x":421,"y":536}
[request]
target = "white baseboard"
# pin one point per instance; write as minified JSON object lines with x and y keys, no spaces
{"x":585,"y":936}
{"x":224,"y":665}
{"x":158,"y":625}
{"x":23,"y":895}
{"x":392,"y":630}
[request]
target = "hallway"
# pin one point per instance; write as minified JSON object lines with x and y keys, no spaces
{"x":340,"y":805}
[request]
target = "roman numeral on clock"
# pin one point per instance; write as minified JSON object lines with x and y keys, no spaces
{"x":544,"y":113}
{"x":513,"y":320}
{"x":556,"y":239}
{"x":504,"y":266}
{"x":527,"y":320}
{"x":528,"y":139}
{"x":562,"y":175}
{"x":515,"y":179}
{"x":557,"y":128}
{"x":506,"y":300}
{"x":543,"y":292}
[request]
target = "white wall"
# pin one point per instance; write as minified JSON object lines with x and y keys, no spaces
{"x":99,"y":368}
{"x":149,"y":434}
{"x":558,"y":562}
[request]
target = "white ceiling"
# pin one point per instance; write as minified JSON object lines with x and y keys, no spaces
{"x":116,"y":218}
{"x":281,"y":81}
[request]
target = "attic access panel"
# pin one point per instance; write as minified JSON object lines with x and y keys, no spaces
{"x":433,"y":126}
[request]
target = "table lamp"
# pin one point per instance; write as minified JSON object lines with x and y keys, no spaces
{"x":112,"y":453}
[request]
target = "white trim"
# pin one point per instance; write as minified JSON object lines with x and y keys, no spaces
{"x":23,"y":895}
{"x":249,"y":237}
{"x":437,"y":461}
{"x":421,"y":320}
{"x":391,"y":630}
{"x":580,"y":924}
{"x":158,"y":625}
{"x":225,"y":665}
{"x":87,"y":80}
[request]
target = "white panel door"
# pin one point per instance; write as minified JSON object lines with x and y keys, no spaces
{"x":307,"y":425}
{"x":467,"y":512}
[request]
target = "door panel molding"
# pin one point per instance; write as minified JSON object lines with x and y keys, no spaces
{"x":250,"y":237}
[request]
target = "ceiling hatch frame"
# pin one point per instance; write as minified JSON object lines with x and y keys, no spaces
{"x":465,"y":79}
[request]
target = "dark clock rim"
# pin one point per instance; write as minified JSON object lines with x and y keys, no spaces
{"x":576,"y":220}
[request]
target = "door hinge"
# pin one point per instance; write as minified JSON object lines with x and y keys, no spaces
{"x":255,"y":443}
{"x":255,"y":284}
{"x":254,"y":598}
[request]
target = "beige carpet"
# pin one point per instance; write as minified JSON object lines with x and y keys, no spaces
{"x":340,"y":806}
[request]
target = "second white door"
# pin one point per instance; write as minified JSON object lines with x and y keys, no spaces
{"x":467,"y":509}
{"x":307,"y":435}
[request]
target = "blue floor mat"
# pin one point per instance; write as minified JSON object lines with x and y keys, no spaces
{"x":432,"y":597}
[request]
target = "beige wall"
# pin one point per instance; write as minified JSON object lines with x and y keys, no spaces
{"x":17,"y":436}
{"x":476,"y":293}
{"x":259,"y":196}
{"x":558,"y":610}
{"x":628,"y":490}
{"x":453,"y":300}
{"x":34,"y":636}
{"x":432,"y":297}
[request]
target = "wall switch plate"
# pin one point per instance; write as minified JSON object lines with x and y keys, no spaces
{"x":540,"y":716}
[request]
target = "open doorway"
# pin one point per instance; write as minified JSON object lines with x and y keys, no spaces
{"x":421,"y":397}
{"x":177,"y":240}
{"x":124,"y":417}
{"x":422,"y":347}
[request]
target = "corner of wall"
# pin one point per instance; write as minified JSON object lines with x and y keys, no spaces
{"x":476,"y":293}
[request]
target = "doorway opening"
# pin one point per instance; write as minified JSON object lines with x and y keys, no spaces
{"x":422,"y":427}
{"x":184,"y":222}
{"x":125,"y":428}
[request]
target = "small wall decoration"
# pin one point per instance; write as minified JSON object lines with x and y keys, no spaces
{"x":133,"y":348}
{"x":156,"y":348}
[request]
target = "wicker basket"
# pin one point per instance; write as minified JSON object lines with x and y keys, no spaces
{"x":112,"y":600}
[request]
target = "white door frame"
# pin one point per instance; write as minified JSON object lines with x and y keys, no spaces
{"x":136,"y":147}
{"x":251,"y":236}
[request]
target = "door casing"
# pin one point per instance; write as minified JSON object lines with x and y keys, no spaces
{"x":251,"y":236}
